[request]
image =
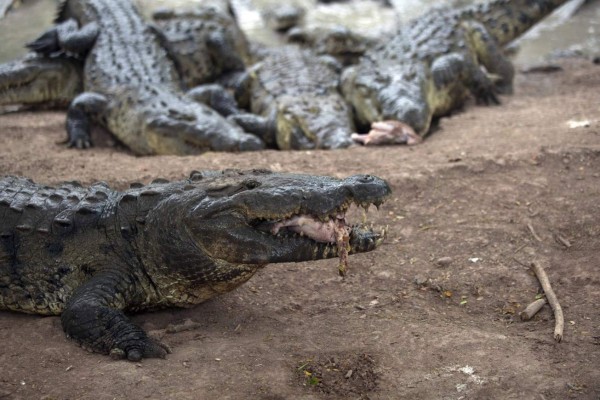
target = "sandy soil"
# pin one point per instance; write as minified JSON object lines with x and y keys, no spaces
{"x":400,"y":325}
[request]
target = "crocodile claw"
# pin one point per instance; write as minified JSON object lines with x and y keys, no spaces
{"x":78,"y":133}
{"x":82,"y":141}
{"x":487,"y":97}
{"x":485,"y":92}
{"x":46,"y":44}
{"x":145,"y":348}
{"x":388,"y":132}
{"x":79,"y":143}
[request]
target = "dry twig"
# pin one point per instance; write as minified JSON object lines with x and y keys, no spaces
{"x":532,"y":309}
{"x":532,"y":231}
{"x":562,"y":240}
{"x":552,"y":299}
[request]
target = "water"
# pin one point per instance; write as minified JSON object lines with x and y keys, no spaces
{"x":561,"y":31}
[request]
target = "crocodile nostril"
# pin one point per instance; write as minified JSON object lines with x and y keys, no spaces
{"x":366,"y":178}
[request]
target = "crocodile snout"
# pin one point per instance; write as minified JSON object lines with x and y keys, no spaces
{"x":251,"y":143}
{"x":367,"y":188}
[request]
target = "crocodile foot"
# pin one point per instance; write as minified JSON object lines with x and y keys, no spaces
{"x":388,"y":132}
{"x":143,"y":348}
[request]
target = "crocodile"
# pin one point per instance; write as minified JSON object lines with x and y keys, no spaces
{"x":41,"y":81}
{"x":131,"y":86}
{"x":91,"y":254}
{"x":283,"y":16}
{"x":205,"y":41}
{"x":295,"y":101}
{"x":337,"y":41}
{"x":428,"y":67}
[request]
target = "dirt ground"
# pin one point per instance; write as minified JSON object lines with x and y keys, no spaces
{"x":400,"y":325}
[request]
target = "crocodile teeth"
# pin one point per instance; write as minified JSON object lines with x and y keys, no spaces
{"x":322,"y":228}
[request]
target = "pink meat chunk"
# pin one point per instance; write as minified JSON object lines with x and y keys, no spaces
{"x":313,"y":228}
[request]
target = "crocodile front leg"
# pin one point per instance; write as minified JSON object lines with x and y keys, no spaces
{"x":79,"y":115}
{"x":240,"y":83}
{"x":216,"y":97}
{"x":263,"y":127}
{"x":66,"y":37}
{"x":223,"y":52}
{"x":490,"y":55}
{"x":94,"y":318}
{"x":454,"y":72}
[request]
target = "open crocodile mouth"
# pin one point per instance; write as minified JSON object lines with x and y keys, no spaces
{"x":315,"y":229}
{"x":332,"y":235}
{"x":16,"y":85}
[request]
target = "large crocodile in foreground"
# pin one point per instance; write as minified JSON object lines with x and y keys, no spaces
{"x":90,"y":254}
{"x":131,"y":85}
{"x":295,"y":100}
{"x":427,"y":68}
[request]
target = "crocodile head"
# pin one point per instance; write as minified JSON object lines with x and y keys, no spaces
{"x":173,"y":124}
{"x":40,"y":80}
{"x":282,"y":17}
{"x":204,"y":42}
{"x":392,"y":94}
{"x":223,"y":226}
{"x":322,"y":122}
{"x":337,"y":41}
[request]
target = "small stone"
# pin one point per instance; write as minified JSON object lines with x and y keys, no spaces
{"x":444,"y":261}
{"x":420,"y":280}
{"x":348,"y":374}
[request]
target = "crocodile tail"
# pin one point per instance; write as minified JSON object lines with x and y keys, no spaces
{"x":506,"y":20}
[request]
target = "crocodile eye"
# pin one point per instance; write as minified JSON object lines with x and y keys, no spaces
{"x":251,"y":184}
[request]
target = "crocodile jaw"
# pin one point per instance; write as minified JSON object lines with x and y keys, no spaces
{"x":277,"y":224}
{"x":33,"y":81}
